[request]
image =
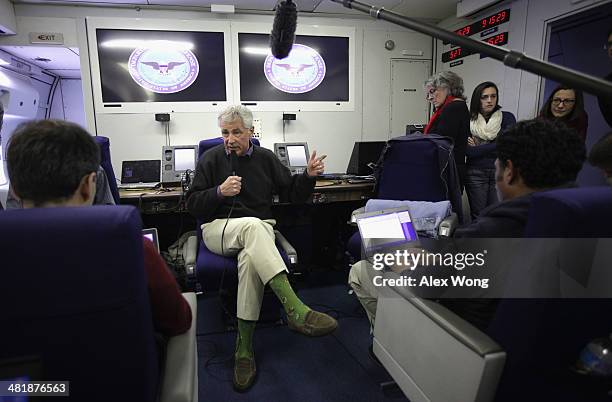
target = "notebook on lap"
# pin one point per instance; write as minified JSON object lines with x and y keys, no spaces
{"x":140,"y":174}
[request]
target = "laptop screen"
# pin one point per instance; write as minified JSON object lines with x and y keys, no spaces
{"x":147,"y":171}
{"x":151,"y":234}
{"x":363,"y":154}
{"x":386,"y":229}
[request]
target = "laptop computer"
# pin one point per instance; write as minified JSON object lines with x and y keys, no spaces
{"x":364,"y":155}
{"x":151,"y":234}
{"x":386,"y":231}
{"x":140,"y":174}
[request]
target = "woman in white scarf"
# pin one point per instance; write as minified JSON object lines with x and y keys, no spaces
{"x":486,"y":122}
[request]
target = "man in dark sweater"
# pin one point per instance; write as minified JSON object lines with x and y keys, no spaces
{"x":232,"y":193}
{"x":532,"y":156}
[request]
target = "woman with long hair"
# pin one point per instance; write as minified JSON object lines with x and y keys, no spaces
{"x":566,"y":104}
{"x":487,"y":120}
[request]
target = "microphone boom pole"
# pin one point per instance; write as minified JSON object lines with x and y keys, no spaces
{"x":510,"y":58}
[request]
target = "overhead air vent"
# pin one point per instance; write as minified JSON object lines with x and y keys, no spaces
{"x":18,"y":66}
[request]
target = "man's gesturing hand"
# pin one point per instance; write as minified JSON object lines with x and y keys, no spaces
{"x":231,"y":186}
{"x":315,"y":165}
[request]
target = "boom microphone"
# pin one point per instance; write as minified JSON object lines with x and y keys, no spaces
{"x":283,"y":29}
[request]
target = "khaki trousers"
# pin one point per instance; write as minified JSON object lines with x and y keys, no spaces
{"x":361,"y":280}
{"x":252,"y":241}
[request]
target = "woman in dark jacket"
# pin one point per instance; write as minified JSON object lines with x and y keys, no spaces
{"x":451,"y":117}
{"x":486,"y":122}
{"x":566,"y":104}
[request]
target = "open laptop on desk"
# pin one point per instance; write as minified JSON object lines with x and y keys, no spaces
{"x":359,"y":170}
{"x":140,"y":174}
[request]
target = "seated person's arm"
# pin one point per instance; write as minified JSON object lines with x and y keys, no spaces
{"x":171,"y":312}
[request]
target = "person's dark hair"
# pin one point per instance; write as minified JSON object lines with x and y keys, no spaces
{"x":47,"y":159}
{"x":475,"y":100}
{"x":545,"y":153}
{"x":578,"y":106}
{"x":601,"y":153}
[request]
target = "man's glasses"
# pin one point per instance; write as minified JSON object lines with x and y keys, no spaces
{"x":557,"y":101}
{"x":429,"y":94}
{"x":608,"y":45}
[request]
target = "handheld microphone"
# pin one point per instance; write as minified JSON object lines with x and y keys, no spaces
{"x":233,"y":162}
{"x":283,"y":29}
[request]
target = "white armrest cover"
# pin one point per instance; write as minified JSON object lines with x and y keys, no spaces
{"x":180,"y":380}
{"x":448,"y":225}
{"x":354,"y":214}
{"x":433,"y":354}
{"x":286,"y":246}
{"x":190,"y":252}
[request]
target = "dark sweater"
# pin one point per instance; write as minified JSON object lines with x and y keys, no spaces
{"x":483,"y":156}
{"x":454,"y":122}
{"x":506,"y":219}
{"x":263,"y":175}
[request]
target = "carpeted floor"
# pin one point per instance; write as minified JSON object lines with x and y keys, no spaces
{"x":292,"y":367}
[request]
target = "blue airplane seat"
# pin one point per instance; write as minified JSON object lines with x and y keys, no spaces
{"x":415,"y":167}
{"x":105,"y":162}
{"x":83,"y":310}
{"x":74,"y":299}
{"x":543,"y":337}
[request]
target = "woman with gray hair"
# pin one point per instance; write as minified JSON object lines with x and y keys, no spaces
{"x":451,"y":118}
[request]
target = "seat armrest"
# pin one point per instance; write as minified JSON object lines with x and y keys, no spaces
{"x":190,"y":252}
{"x":180,"y":379}
{"x":287,"y":247}
{"x":456,"y":326}
{"x":448,"y":225}
{"x":354,"y":214}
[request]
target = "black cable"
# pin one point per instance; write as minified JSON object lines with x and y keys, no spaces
{"x":225,"y":265}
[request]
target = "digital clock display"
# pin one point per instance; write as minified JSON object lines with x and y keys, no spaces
{"x":484,"y":23}
{"x":460,"y":52}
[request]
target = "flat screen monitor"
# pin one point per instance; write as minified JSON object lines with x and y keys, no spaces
{"x":317,"y":69}
{"x":297,"y":155}
{"x":364,"y":153}
{"x":176,"y":160}
{"x":161,"y":66}
{"x":184,"y":159}
{"x":294,"y":155}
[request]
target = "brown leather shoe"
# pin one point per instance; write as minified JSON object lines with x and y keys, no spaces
{"x":315,"y":324}
{"x":244,"y":373}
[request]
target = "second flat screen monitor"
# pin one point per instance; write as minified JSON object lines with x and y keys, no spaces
{"x":317,"y":69}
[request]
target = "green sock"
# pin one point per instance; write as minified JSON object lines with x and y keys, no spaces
{"x":244,"y":340}
{"x":295,"y":309}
